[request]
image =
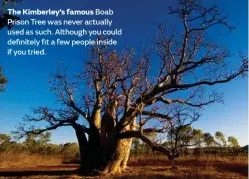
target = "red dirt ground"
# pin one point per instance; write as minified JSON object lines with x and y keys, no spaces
{"x":139,"y":169}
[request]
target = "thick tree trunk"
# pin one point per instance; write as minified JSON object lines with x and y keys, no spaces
{"x":83,"y":149}
{"x":125,"y":160}
{"x":119,"y":157}
{"x":120,"y":153}
{"x":89,"y":149}
{"x":112,"y":160}
{"x":103,"y":152}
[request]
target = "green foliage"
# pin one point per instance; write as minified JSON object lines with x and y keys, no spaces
{"x":190,"y":139}
{"x":185,"y":136}
{"x":70,"y":149}
{"x":5,"y":143}
{"x":220,"y":137}
{"x":233,"y":146}
{"x":40,"y":139}
{"x":4,"y":138}
{"x":140,"y":148}
{"x":233,"y":142}
{"x":38,"y":144}
{"x":209,"y":140}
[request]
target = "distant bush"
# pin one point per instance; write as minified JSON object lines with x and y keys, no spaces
{"x":38,"y":144}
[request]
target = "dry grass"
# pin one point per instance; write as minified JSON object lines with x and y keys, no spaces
{"x":190,"y":167}
{"x":207,"y":158}
{"x":139,"y":167}
{"x":8,"y":160}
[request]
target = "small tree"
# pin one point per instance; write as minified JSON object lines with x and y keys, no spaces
{"x":70,"y":149}
{"x":209,"y":140}
{"x":4,"y":138}
{"x":35,"y":142}
{"x":220,"y":137}
{"x":233,"y":145}
{"x":232,"y":142}
{"x":221,"y":141}
{"x":184,"y":137}
{"x":198,"y":138}
{"x":5,"y":143}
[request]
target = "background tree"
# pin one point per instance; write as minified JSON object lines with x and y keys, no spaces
{"x":220,"y":137}
{"x":221,"y":140}
{"x":185,"y":137}
{"x":198,"y":138}
{"x":126,"y":98}
{"x":233,"y":142}
{"x":38,"y":144}
{"x":70,"y":149}
{"x":209,"y":140}
{"x":4,"y":138}
{"x":233,"y":145}
{"x":143,"y":147}
{"x":3,"y":80}
{"x":8,"y":145}
{"x":4,"y":142}
{"x":35,"y":143}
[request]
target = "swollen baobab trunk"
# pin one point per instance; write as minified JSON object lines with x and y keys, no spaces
{"x":120,"y":156}
{"x":109,"y":158}
{"x":121,"y":152}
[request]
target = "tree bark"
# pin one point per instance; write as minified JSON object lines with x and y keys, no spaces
{"x":119,"y":157}
{"x":126,"y":158}
{"x":103,"y":150}
{"x":83,"y":149}
{"x":121,"y":152}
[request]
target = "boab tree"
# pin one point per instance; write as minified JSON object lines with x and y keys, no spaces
{"x":121,"y":96}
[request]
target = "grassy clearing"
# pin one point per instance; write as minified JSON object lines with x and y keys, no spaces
{"x":9,"y":160}
{"x":152,"y":166}
{"x":190,"y":167}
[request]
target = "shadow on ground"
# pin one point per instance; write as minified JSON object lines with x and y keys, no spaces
{"x":40,"y":170}
{"x":242,"y":169}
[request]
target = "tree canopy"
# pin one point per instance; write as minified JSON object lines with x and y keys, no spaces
{"x":233,"y":142}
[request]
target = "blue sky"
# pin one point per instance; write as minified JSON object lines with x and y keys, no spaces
{"x":28,"y":75}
